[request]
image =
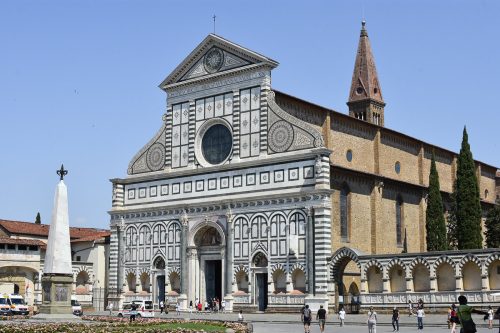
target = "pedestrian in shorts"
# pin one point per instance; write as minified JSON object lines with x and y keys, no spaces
{"x":321,"y":317}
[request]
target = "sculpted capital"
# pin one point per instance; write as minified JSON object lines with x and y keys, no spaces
{"x":184,"y":218}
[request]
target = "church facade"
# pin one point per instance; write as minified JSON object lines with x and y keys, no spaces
{"x":247,"y":194}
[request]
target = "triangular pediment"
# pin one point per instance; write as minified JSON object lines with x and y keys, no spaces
{"x":213,"y":56}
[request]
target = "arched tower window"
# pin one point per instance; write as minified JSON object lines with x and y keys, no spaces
{"x":399,"y":220}
{"x":344,"y":212}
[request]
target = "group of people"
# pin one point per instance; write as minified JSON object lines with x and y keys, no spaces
{"x":211,"y":305}
{"x":306,"y":317}
{"x":461,"y":314}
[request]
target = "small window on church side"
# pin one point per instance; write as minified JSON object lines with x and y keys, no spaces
{"x":397,"y":167}
{"x":348,"y":155}
{"x":486,"y":194}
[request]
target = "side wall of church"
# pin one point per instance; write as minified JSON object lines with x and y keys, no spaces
{"x":367,"y":154}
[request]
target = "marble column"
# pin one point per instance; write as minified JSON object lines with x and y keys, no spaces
{"x":485,"y":282}
{"x":458,"y":283}
{"x":184,"y":235}
{"x":229,"y":261}
{"x":409,"y":284}
{"x":310,"y":251}
{"x":387,"y":285}
{"x":433,"y":283}
{"x":229,"y":252}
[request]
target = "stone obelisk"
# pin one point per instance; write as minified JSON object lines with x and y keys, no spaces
{"x":57,"y":278}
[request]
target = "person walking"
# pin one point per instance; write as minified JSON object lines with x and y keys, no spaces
{"x":306,"y":319}
{"x":420,"y":318}
{"x":410,"y":308}
{"x":454,"y":318}
{"x":223,"y":306}
{"x":395,"y":320}
{"x":133,"y":312}
{"x":490,"y":317}
{"x":191,"y":306}
{"x":162,"y":307}
{"x":342,"y":316}
{"x":110,"y":308}
{"x":449,"y":317}
{"x":372,"y":321}
{"x":321,"y":317}
{"x":465,"y":315}
{"x":178,"y":308}
{"x":240,"y":315}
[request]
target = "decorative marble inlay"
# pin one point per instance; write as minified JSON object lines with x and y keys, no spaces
{"x":214,"y":59}
{"x":280,"y":136}
{"x":156,"y":157}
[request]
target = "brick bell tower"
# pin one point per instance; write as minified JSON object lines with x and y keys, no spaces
{"x":365,"y":98}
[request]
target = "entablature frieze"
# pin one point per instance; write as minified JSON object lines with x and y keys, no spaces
{"x":316,"y":198}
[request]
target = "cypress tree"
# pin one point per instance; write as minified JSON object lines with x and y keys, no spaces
{"x":451,"y":220}
{"x":468,"y":204}
{"x":493,"y":227}
{"x":434,"y":218}
{"x":38,"y":220}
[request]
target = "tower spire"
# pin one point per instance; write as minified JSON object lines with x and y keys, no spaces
{"x":365,"y":98}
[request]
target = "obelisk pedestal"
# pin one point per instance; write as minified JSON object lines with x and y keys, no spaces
{"x":57,"y":278}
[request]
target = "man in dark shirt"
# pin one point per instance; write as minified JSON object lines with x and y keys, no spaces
{"x":321,"y":317}
{"x":133,"y":312}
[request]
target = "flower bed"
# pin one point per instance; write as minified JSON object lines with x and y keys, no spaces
{"x":114,"y":324}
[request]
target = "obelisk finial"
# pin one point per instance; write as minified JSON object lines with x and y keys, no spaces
{"x":61,"y":172}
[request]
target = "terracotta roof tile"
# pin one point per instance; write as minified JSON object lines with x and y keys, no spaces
{"x":92,"y":237}
{"x":21,"y":241}
{"x":32,"y":229}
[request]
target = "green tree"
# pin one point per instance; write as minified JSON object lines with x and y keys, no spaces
{"x":492,"y":224}
{"x":38,"y":220}
{"x":434,"y":218}
{"x":468,"y":205}
{"x":451,"y":220}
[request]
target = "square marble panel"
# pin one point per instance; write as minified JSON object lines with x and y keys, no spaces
{"x":224,"y":182}
{"x":308,"y":172}
{"x":250,"y":179}
{"x":212,"y":184}
{"x":200,"y":185}
{"x":164,"y":189}
{"x":237,"y":181}
{"x":264,"y":177}
{"x":279,"y":176}
{"x":153,"y":191}
{"x":293,"y":174}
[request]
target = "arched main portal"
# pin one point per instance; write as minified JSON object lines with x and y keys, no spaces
{"x":159,"y":267}
{"x":259,"y":267}
{"x":346,"y":275}
{"x":208,"y":242}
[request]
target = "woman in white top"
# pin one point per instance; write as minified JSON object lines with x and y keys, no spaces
{"x":372,"y":321}
{"x":342,"y":316}
{"x":490,"y":317}
{"x":240,"y":315}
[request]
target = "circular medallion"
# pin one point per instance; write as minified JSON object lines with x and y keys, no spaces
{"x":213,"y":60}
{"x":217,"y":144}
{"x":155,"y":157}
{"x":281,"y":136}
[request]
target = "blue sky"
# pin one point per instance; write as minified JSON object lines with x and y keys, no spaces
{"x":78,"y":79}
